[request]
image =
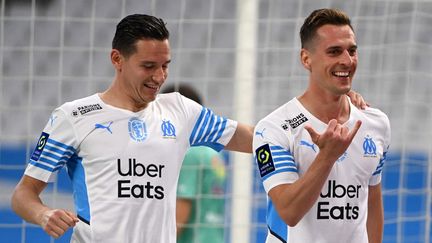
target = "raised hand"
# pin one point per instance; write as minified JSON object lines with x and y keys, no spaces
{"x":334,"y":141}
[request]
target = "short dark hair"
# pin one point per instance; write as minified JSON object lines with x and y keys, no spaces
{"x":137,"y":27}
{"x":319,"y":18}
{"x":185,"y":90}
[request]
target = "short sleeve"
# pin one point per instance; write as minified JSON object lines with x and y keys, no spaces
{"x":272,"y":155}
{"x":377,"y":174}
{"x":54,"y":148}
{"x":209,"y":129}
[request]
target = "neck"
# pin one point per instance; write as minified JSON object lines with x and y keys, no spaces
{"x":118,"y":97}
{"x":326,"y":107}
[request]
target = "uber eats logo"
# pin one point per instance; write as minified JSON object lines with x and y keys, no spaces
{"x":264,"y":160}
{"x":133,"y":168}
{"x":328,"y":210}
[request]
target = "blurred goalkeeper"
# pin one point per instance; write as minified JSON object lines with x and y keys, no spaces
{"x":319,"y":157}
{"x":123,"y":148}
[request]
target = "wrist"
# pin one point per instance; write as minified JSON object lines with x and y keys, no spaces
{"x":41,"y":215}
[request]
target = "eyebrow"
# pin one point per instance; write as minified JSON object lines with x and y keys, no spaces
{"x":339,"y":47}
{"x":152,"y":62}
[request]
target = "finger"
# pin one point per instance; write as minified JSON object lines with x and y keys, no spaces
{"x":364,"y":104}
{"x":62,"y":218}
{"x":53,"y":234}
{"x":356,"y":98}
{"x":63,"y":223}
{"x":55,"y":231}
{"x":332,"y":124}
{"x":314,"y":135}
{"x":361,"y":102}
{"x":68,"y":221}
{"x":344,"y":131}
{"x":73,"y":217}
{"x":338,"y":129}
{"x":354,"y":130}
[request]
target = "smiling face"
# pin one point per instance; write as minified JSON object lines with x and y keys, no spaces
{"x":141,"y":74}
{"x":331,"y":58}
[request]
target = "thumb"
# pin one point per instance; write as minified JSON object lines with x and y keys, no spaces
{"x":314,"y":135}
{"x":72,"y":215}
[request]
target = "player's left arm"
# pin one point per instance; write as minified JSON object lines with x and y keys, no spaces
{"x":375,"y":220}
{"x":241,"y":141}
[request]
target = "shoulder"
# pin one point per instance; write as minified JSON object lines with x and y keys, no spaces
{"x":175,"y":101}
{"x":174,"y":98}
{"x":374,"y":117}
{"x":278,"y":127}
{"x":281,"y":118}
{"x":374,"y":121}
{"x":82,"y":106}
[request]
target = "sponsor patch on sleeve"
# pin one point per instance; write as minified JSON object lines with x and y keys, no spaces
{"x":264,"y":160}
{"x":40,"y":146}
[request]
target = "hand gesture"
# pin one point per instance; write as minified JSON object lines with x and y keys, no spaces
{"x":56,"y":222}
{"x":335,"y":139}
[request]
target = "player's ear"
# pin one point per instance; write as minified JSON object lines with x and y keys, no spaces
{"x":305,"y":58}
{"x":116,"y":59}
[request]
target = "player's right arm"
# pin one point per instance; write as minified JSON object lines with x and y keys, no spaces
{"x":27,"y":204}
{"x":292,"y":201}
{"x":241,"y":141}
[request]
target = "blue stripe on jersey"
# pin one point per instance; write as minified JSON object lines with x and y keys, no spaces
{"x":77,"y":176}
{"x":280,"y":153}
{"x":46,"y":167}
{"x":276,"y":225}
{"x":49,"y":155}
{"x":48,"y":161}
{"x":209,"y":127}
{"x":203,"y":125}
{"x":206,"y":128}
{"x":59,"y":151}
{"x":61,"y":145}
{"x":380,"y":165}
{"x":54,"y":156}
{"x":221,"y":130}
{"x":196,"y":125}
{"x":282,"y":160}
{"x":217,"y":125}
{"x":275,"y":147}
{"x":40,"y":165}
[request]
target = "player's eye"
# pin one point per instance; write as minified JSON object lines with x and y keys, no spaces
{"x":334,"y":51}
{"x":353,"y":52}
{"x":147,"y":65}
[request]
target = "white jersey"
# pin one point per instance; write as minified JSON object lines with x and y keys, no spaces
{"x":124,"y":165}
{"x":283,"y":151}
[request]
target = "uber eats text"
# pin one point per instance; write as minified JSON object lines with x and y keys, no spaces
{"x":132,"y":168}
{"x":326,"y":208}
